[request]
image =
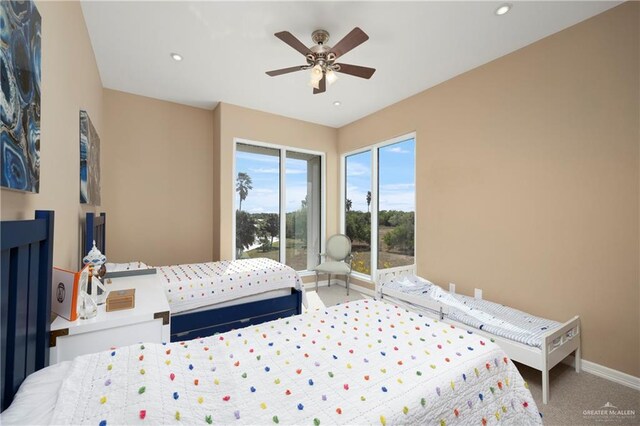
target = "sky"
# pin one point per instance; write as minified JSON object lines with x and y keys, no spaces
{"x":263,"y":169}
{"x":396,"y":169}
{"x":396,"y":174}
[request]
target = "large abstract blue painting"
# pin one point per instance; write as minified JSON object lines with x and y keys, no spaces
{"x":20,"y":27}
{"x":89,"y":161}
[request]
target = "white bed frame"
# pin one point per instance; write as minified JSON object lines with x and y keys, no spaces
{"x":567,"y":337}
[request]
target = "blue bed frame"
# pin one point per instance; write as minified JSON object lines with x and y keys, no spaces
{"x":187,"y":326}
{"x":25,"y":294}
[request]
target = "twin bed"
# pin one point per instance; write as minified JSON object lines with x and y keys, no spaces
{"x":213,"y":297}
{"x":537,"y":342}
{"x":366,"y":362}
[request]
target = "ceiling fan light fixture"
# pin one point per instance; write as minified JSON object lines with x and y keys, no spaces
{"x":315,"y":83}
{"x":331,"y":76}
{"x":316,"y":72}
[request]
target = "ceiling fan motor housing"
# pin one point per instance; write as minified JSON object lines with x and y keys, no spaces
{"x":320,"y":36}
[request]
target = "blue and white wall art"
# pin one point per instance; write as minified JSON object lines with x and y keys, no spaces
{"x":89,"y":161}
{"x":20,"y":38}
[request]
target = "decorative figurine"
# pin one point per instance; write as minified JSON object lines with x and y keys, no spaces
{"x":96,"y":260}
{"x":87,"y":306}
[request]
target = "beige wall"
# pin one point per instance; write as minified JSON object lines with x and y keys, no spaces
{"x":157,"y":180}
{"x":70,"y":82}
{"x":238,"y":122}
{"x":528,"y":180}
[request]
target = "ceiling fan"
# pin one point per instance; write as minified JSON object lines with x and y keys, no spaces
{"x":321,"y":59}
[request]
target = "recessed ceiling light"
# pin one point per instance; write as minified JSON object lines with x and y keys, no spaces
{"x":176,"y":57}
{"x":337,"y":103}
{"x":502,"y":10}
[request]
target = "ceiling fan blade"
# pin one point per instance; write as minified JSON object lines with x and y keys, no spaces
{"x":292,"y":41}
{"x":355,"y":38}
{"x":285,"y":70}
{"x":356,"y":70}
{"x":322,"y":87}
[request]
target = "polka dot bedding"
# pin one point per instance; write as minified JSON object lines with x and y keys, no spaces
{"x":202,"y":284}
{"x":365,"y":362}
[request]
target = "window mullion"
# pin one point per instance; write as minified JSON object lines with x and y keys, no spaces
{"x":283,"y":204}
{"x":374,"y":212}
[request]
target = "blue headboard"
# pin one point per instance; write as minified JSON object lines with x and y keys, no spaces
{"x":95,"y":230}
{"x":25,"y":297}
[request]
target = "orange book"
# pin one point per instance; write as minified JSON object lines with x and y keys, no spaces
{"x":64,"y":293}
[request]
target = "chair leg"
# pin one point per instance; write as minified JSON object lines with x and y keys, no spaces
{"x":316,"y":281}
{"x":348,"y":276}
{"x":329,"y":284}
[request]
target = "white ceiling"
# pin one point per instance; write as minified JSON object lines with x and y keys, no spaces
{"x":228,"y":46}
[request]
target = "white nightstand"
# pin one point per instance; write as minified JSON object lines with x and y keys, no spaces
{"x":148,"y":322}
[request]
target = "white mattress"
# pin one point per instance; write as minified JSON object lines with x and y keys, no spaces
{"x":365,"y":362}
{"x":253,"y":298}
{"x":496,"y":319}
{"x":198,"y":285}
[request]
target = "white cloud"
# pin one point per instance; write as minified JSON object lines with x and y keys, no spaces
{"x":397,"y":150}
{"x":357,"y":169}
{"x":273,"y":171}
{"x":397,"y":186}
{"x":255,"y":158}
{"x":397,"y":200}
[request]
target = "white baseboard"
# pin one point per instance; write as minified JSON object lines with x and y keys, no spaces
{"x":342,"y":283}
{"x":607,"y":373}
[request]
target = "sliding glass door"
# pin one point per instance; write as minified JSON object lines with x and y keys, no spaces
{"x":257,"y":202}
{"x":303,"y":222}
{"x":278,"y":204}
{"x":357,"y":204}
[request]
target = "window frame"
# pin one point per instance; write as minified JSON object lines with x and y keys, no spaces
{"x":375,"y":185}
{"x":283,"y":193}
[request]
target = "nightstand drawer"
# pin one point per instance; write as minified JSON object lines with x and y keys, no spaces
{"x":70,"y":346}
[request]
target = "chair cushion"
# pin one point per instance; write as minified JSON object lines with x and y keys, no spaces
{"x":333,"y":268}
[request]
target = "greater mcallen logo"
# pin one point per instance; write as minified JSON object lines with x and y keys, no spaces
{"x":609,"y":412}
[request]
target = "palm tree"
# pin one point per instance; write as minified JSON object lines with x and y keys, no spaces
{"x":368,"y":199}
{"x":243,"y":185}
{"x":348,"y":204}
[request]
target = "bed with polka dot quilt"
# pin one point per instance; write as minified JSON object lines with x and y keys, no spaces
{"x":364,"y":362}
{"x":193,"y":286}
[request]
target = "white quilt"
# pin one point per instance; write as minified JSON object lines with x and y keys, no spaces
{"x":202,"y":284}
{"x":365,"y":362}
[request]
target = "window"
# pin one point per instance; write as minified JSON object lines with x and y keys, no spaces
{"x":396,"y":204}
{"x":278,"y":204}
{"x":357,"y":205}
{"x":379,"y":205}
